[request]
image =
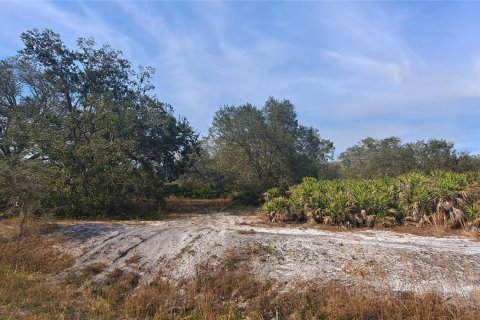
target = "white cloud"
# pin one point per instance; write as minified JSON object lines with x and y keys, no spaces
{"x":71,"y":25}
{"x":346,"y":66}
{"x":395,"y":72}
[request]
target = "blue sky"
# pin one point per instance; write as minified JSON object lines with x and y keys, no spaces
{"x":352,"y":69}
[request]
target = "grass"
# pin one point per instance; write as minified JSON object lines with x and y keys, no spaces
{"x":187,"y":206}
{"x":229,"y":290}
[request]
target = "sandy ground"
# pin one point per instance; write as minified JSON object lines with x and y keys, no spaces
{"x":287,"y":255}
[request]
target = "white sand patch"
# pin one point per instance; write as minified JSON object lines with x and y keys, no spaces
{"x":174,"y":248}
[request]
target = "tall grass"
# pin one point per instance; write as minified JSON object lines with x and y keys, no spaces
{"x":440,"y":197}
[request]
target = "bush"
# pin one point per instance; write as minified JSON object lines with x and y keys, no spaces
{"x":275,"y":205}
{"x":247,"y":197}
{"x":440,"y":197}
{"x":272,"y":193}
{"x":174,"y":189}
{"x":473,"y":213}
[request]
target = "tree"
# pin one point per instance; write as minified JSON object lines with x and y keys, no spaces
{"x":434,"y":154}
{"x":467,"y":162}
{"x":204,"y":174}
{"x":313,"y":154}
{"x":10,"y":92}
{"x":23,"y":187}
{"x":262,"y":148}
{"x":90,"y":115}
{"x":372,"y":158}
{"x":241,"y":146}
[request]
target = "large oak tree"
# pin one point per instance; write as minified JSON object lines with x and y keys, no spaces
{"x":90,"y":116}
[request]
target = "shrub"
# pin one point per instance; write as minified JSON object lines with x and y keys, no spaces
{"x":275,"y":205}
{"x":273,"y":192}
{"x":440,"y":197}
{"x":473,"y":213}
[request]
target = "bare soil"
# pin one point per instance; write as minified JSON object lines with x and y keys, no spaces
{"x":176,"y":246}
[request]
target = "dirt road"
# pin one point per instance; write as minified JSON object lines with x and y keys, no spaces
{"x":287,"y":255}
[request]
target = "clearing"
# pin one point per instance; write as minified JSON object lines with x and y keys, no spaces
{"x":290,"y":255}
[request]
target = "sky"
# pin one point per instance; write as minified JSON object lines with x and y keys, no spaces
{"x":352,"y":69}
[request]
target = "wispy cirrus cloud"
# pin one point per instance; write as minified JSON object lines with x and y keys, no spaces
{"x":353,"y":69}
{"x":369,"y":67}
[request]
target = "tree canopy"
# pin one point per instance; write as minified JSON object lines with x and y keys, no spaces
{"x":89,"y":116}
{"x":262,"y":148}
{"x":389,"y":157}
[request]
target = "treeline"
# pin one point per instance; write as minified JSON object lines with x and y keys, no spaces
{"x":81,"y":134}
{"x":389,"y":157}
{"x":246,"y":154}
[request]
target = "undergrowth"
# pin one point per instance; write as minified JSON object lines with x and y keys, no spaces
{"x":440,"y":198}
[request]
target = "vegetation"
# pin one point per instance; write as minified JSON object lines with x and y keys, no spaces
{"x":226,"y":291}
{"x":441,"y":198}
{"x":246,"y":154}
{"x":372,"y":158}
{"x":250,"y":150}
{"x":82,"y":135}
{"x":86,"y":117}
{"x":186,"y":191}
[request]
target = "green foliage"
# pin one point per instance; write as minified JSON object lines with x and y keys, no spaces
{"x":448,"y":185}
{"x":247,"y":196}
{"x":275,"y":205}
{"x":414,"y":193}
{"x":205,"y":173}
{"x":87,"y":115}
{"x":273,"y":192}
{"x":385,"y":201}
{"x":473,"y":212}
{"x":24,"y":188}
{"x":372,"y":158}
{"x":24,"y":185}
{"x":262,"y":148}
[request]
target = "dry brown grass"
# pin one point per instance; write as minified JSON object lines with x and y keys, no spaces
{"x":229,"y":290}
{"x":34,"y":252}
{"x":25,"y":265}
{"x":186,"y":206}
